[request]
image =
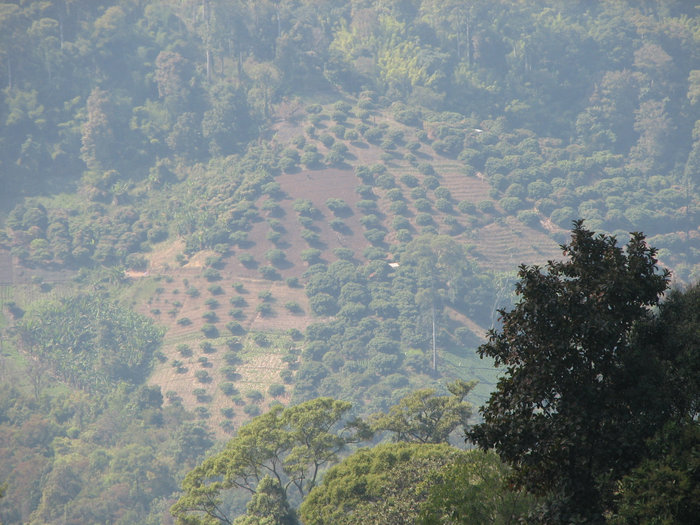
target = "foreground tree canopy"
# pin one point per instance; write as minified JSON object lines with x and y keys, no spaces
{"x":578,"y":398}
{"x":289,"y":445}
{"x":404,"y":483}
{"x":423,"y":417}
{"x":666,"y":483}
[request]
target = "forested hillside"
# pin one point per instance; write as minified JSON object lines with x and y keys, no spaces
{"x":210,"y":208}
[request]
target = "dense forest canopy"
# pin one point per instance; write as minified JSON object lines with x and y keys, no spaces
{"x":600,"y":101}
{"x":211,"y":208}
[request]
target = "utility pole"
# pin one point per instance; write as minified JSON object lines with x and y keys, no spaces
{"x":434,"y":347}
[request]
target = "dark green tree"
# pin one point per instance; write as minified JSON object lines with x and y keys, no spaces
{"x":570,"y":413}
{"x":665,"y":486}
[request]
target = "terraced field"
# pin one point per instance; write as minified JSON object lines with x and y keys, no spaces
{"x":237,"y":304}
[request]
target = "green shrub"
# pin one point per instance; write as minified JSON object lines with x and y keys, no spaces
{"x":418,"y":193}
{"x":326,"y":139}
{"x":276,"y":390}
{"x":466,"y":207}
{"x":215,"y":289}
{"x":255,"y":396}
{"x":202,"y":376}
{"x":228,"y":389}
{"x":269,"y":273}
{"x":486,"y":206}
{"x":310,"y":236}
{"x":231,"y":357}
{"x":422,"y":205}
{"x":311,"y":255}
{"x":238,"y":300}
{"x":184,"y":350}
{"x":403,"y":235}
{"x":311,"y":159}
{"x":564,"y":216}
{"x":365,"y":191}
{"x":373,"y":253}
{"x":398,"y":208}
{"x":233,"y":343}
{"x":209,"y":330}
{"x":367,"y":206}
{"x":229,"y":372}
{"x":425,"y":169}
{"x":339,"y":225}
{"x":399,"y":223}
{"x":443,"y":205}
{"x":375,"y":235}
{"x":234,"y":327}
{"x":424,"y":219}
{"x":510,"y":204}
{"x":201,"y":395}
{"x":409,"y":180}
{"x":275,"y":256}
{"x":210,"y":316}
{"x":442,"y":193}
{"x":370,"y":221}
{"x":293,"y":306}
{"x":202,"y":412}
{"x":260,"y":339}
{"x":386,"y":181}
{"x":529,"y":217}
{"x":264,"y":309}
{"x":207,"y":347}
{"x":431,"y":182}
{"x":339,"y":116}
{"x":343,"y":253}
{"x":211,"y":274}
{"x":247,"y":260}
{"x":286,"y":164}
{"x":333,"y":158}
{"x":338,"y":130}
{"x":337,"y":206}
{"x":394,"y":194}
{"x":323,"y":304}
{"x":373,"y":135}
{"x":252,"y":410}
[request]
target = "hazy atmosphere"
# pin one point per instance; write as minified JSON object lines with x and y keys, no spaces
{"x":293,"y":262}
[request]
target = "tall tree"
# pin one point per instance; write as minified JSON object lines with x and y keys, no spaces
{"x":290,"y":445}
{"x":423,"y":417}
{"x":570,"y":413}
